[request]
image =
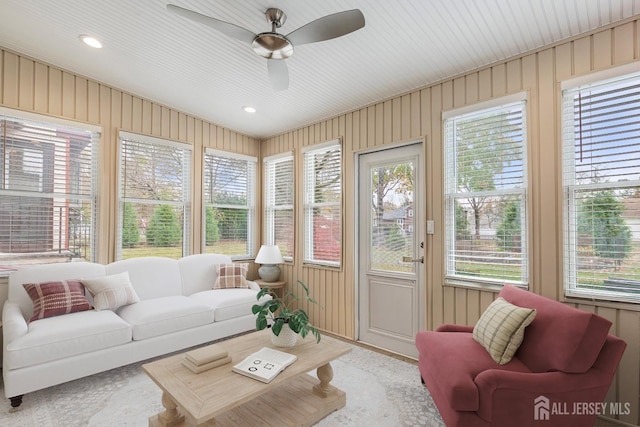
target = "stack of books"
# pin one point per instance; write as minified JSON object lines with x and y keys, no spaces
{"x":205,"y":358}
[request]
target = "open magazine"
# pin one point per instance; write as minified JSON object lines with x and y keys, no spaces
{"x":264,"y":365}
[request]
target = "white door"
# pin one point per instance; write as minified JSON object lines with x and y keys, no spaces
{"x":390,"y":245}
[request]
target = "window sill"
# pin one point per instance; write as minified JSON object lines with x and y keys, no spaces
{"x":609,"y":301}
{"x":480,"y":285}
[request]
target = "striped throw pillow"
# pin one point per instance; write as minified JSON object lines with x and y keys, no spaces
{"x":56,"y":298}
{"x":231,"y":276}
{"x":500,"y":329}
{"x":111,"y":292}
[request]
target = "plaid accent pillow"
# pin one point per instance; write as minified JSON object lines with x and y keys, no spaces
{"x":231,"y":276}
{"x":111,"y":292}
{"x":56,"y":298}
{"x":500,"y":329}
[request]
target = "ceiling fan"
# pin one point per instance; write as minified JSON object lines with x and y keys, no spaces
{"x":278,"y":47}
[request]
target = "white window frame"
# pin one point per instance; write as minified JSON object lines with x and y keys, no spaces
{"x":92,"y":198}
{"x":451,"y":194}
{"x":250,"y":207}
{"x":570,"y":187}
{"x":270,"y":204}
{"x":185,"y":201}
{"x":309,"y":204}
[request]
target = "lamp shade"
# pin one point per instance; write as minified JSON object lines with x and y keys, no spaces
{"x":269,"y":254}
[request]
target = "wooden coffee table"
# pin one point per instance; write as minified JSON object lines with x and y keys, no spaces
{"x":221,"y":397}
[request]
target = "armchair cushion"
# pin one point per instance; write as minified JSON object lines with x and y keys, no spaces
{"x":575,"y":336}
{"x":462,"y":358}
{"x":500,"y":329}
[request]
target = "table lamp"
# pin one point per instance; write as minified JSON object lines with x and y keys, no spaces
{"x":269,"y":256}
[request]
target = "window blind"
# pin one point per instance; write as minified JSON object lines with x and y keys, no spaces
{"x":485,"y":186}
{"x":323,"y":204}
{"x":601,"y":174}
{"x":48,"y":185}
{"x":229,"y":199}
{"x":278,"y":203}
{"x":155,"y":201}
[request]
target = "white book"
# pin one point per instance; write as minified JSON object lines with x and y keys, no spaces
{"x":265,"y":365}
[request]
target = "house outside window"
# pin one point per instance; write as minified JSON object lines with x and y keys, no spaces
{"x":279,"y":192}
{"x":154,"y":197}
{"x":485,"y":193}
{"x":601,"y":175}
{"x":229,"y":204}
{"x":48,"y":188}
{"x":323,"y":204}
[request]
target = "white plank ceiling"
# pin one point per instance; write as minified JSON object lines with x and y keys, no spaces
{"x":406,"y":44}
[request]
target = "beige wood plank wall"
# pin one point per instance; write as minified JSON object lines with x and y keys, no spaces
{"x":418,"y":116}
{"x":32,"y":86}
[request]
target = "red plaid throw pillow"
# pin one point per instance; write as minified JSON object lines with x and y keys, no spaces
{"x":56,"y":298}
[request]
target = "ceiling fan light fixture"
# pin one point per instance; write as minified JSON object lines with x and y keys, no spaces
{"x":272,"y":46}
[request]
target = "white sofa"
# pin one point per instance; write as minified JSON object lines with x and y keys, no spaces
{"x":178,"y":309}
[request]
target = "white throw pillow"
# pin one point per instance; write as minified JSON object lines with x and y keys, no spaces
{"x":111,"y":292}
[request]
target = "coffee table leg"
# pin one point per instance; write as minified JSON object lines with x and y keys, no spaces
{"x":170,"y":417}
{"x":325,"y":375}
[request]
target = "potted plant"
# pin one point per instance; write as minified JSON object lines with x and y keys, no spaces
{"x":275,"y":313}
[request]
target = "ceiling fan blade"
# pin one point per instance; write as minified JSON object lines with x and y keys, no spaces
{"x":327,"y":27}
{"x":225,"y":28}
{"x":278,"y":74}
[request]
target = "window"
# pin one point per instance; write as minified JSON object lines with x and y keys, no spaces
{"x":323,"y":204}
{"x":155,"y":197}
{"x":601,"y":174}
{"x":278,"y":203}
{"x":229,"y":203}
{"x":485,"y":193}
{"x":48,"y":187}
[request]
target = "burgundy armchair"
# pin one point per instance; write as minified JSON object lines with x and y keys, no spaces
{"x":561,"y":372}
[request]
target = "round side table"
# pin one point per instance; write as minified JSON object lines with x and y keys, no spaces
{"x":277,"y":287}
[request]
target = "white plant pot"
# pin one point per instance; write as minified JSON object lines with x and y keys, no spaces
{"x":287,"y":337}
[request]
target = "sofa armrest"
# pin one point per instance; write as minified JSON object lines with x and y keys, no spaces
{"x":14,"y":324}
{"x":253,"y":285}
{"x":448,"y":327}
{"x":504,"y":394}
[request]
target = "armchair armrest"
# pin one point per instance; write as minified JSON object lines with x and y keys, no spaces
{"x":14,"y":324}
{"x":448,"y":327}
{"x":504,"y":394}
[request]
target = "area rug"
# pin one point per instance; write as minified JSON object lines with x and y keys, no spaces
{"x":381,"y":391}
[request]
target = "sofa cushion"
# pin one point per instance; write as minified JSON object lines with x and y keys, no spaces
{"x":56,"y":298}
{"x":500,"y":329}
{"x":111,"y":292}
{"x":161,"y":316}
{"x":561,"y":338}
{"x":459,"y":359}
{"x":231,"y":276}
{"x":65,"y":336}
{"x":227,"y":303}
{"x":151,"y":277}
{"x":47,"y":273}
{"x":198,"y":271}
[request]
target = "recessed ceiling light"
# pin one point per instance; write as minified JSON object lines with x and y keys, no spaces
{"x":249,"y":109}
{"x":91,"y":41}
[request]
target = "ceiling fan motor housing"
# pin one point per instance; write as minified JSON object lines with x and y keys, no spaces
{"x":272,"y":45}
